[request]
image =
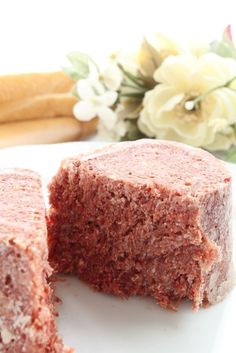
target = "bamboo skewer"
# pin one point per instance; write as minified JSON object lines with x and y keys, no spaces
{"x":42,"y":131}
{"x":44,"y":106}
{"x":38,"y":108}
{"x":23,"y":86}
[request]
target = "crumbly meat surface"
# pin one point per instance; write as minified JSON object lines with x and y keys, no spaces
{"x":149,"y":218}
{"x":27,"y":314}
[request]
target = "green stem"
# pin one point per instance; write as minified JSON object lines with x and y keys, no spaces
{"x":204,"y":95}
{"x":138,"y":81}
{"x":137,"y":95}
{"x":132,"y":86}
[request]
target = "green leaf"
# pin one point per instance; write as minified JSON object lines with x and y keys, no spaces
{"x":74,"y":75}
{"x":230,"y":156}
{"x":74,"y":91}
{"x":225,"y":47}
{"x":80,"y":63}
{"x":136,"y":80}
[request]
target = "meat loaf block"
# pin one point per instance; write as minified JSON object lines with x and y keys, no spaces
{"x":149,"y":218}
{"x":26,"y":301}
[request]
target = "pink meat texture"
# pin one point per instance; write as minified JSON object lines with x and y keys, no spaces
{"x":27,"y":322}
{"x":150,"y":218}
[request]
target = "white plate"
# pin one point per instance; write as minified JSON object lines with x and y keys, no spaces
{"x":96,"y":323}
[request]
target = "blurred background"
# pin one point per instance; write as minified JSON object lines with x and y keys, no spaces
{"x":36,"y":35}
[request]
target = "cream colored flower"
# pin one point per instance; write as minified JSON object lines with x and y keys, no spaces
{"x":197,"y":48}
{"x":94,"y":101}
{"x":153,"y":51}
{"x":208,"y":123}
{"x":156,"y":48}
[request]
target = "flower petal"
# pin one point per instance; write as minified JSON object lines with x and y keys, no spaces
{"x":223,"y":141}
{"x":107,"y":116}
{"x":112,"y":77}
{"x":118,"y":131}
{"x":85,"y":90}
{"x":214,"y":70}
{"x":227,"y":98}
{"x":84,"y":111}
{"x":93,"y":71}
{"x":172,"y":102}
{"x":108,"y":98}
{"x":98,"y":87}
{"x":176,"y":71}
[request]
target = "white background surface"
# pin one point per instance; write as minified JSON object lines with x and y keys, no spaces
{"x":36,"y":34}
{"x":97,"y":323}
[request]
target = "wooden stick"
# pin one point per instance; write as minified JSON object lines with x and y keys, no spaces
{"x":44,"y":106}
{"x":15,"y":87}
{"x":45,"y":131}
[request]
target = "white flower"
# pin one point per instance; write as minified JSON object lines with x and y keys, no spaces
{"x":95,"y":101}
{"x":169,"y":112}
{"x":115,"y":133}
{"x":112,"y":76}
{"x":128,"y":59}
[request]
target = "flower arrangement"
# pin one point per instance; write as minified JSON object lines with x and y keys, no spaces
{"x":164,"y":91}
